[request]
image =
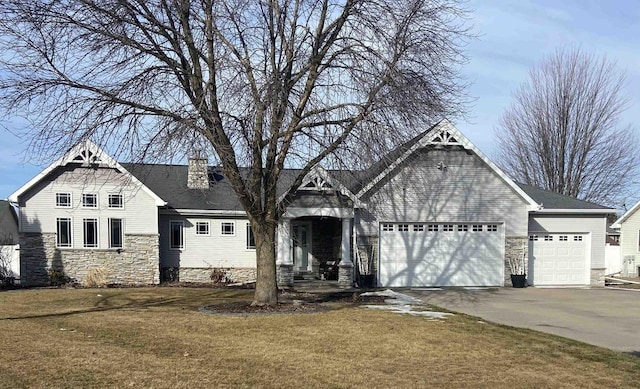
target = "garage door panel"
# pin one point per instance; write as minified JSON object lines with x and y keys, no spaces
{"x":558,"y":258}
{"x":441,"y":258}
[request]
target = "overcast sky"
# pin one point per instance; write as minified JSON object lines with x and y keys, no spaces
{"x":513,"y":36}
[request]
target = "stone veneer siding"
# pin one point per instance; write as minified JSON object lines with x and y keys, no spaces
{"x":597,"y":277}
{"x":515,"y":247}
{"x":203,"y":274}
{"x":284,"y":274}
{"x":137,"y":263}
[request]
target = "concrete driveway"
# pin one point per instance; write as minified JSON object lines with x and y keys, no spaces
{"x":603,"y":317}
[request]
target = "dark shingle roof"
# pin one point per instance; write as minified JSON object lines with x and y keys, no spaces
{"x":169,"y":182}
{"x":552,"y":200}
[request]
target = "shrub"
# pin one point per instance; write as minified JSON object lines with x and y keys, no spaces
{"x":96,"y":278}
{"x":219,"y":276}
{"x":58,"y":277}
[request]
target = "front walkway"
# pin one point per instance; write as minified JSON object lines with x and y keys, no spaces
{"x":600,"y":316}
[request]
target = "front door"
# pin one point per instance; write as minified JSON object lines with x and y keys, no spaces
{"x":301,"y":244}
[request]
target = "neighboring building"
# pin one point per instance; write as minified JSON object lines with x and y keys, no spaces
{"x":9,"y":255}
{"x":434,"y":212}
{"x":628,"y":226}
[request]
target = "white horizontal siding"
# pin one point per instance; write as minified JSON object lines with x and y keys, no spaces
{"x":215,"y":250}
{"x":38,"y":211}
{"x":465,"y":190}
{"x":595,"y":225}
{"x":630,"y":238}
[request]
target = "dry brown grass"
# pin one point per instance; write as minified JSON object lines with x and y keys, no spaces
{"x":155,"y":337}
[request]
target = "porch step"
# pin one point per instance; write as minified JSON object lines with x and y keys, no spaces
{"x":304,"y":276}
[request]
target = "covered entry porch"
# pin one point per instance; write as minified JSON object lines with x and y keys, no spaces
{"x":315,"y":244}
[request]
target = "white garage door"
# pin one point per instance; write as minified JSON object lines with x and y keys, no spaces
{"x":558,"y":258}
{"x":441,"y":254}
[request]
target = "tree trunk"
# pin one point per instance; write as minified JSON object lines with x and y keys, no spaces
{"x":266,"y":284}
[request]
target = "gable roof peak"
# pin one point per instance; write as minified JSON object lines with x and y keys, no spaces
{"x":85,"y":153}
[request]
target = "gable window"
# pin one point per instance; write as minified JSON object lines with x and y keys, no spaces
{"x":251,"y":240}
{"x":463,"y":227}
{"x":63,"y":200}
{"x":116,"y":201}
{"x":63,"y":232}
{"x":115,"y":233}
{"x":90,"y":230}
{"x":90,"y":200}
{"x":418,"y":227}
{"x":176,"y":235}
{"x":202,"y":228}
{"x":387,"y":227}
{"x":476,"y":228}
{"x":228,"y":228}
{"x":403,"y":227}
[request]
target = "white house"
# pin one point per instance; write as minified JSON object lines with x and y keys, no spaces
{"x":9,"y":255}
{"x":629,"y":228}
{"x":433,"y":212}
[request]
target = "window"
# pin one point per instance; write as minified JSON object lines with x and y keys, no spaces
{"x":115,"y":233}
{"x":548,"y":238}
{"x":90,"y":230}
{"x":63,"y":200}
{"x":176,"y":235}
{"x":403,"y":227}
{"x":533,"y":238}
{"x":492,"y":227}
{"x":463,"y":227}
{"x":202,"y":228}
{"x":63,"y":238}
{"x":228,"y":228}
{"x":577,"y":238}
{"x":116,"y":201}
{"x":432,"y":227}
{"x":563,"y":238}
{"x":387,"y":227}
{"x":418,"y":227}
{"x":89,"y":200}
{"x":447,"y":227}
{"x":251,"y":241}
{"x":476,"y":228}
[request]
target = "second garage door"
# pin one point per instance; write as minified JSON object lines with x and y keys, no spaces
{"x":441,"y":254}
{"x":558,"y":258}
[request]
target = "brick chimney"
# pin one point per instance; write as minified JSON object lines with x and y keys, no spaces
{"x":198,"y":175}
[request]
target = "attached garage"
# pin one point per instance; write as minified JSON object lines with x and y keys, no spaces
{"x":441,"y":254}
{"x":559,"y":258}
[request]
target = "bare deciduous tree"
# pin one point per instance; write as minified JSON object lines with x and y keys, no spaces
{"x":264,"y":84}
{"x":562,"y":133}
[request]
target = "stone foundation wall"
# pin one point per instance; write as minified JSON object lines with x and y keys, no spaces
{"x":284,"y":274}
{"x":203,"y":274}
{"x":136,"y":263}
{"x":515,"y":248}
{"x":597,"y":277}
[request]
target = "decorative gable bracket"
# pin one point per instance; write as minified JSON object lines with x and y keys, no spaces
{"x":318,"y":179}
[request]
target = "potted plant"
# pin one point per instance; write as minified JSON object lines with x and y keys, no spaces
{"x":518,"y":271}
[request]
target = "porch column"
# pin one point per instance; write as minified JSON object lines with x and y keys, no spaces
{"x":284,"y":261}
{"x":345,"y":269}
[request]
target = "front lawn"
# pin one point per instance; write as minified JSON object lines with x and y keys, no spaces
{"x":155,"y":337}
